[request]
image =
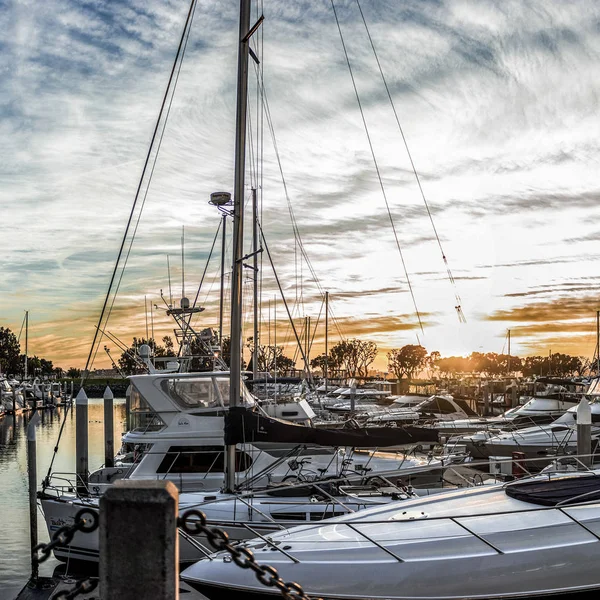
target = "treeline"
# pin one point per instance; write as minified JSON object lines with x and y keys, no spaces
{"x":12,"y":362}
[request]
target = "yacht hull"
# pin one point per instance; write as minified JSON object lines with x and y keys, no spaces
{"x":477,"y":544}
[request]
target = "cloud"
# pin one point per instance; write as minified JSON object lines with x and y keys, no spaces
{"x":498,"y":106}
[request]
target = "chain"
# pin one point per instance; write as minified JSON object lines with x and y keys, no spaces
{"x":85,"y":521}
{"x":193,"y":522}
{"x":83,"y":587}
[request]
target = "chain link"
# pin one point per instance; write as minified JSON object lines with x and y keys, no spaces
{"x":85,"y":521}
{"x":193,"y":522}
{"x":83,"y":587}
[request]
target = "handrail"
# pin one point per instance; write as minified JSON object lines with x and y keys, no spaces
{"x":351,"y":526}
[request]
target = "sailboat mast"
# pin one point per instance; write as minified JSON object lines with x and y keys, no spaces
{"x":26,"y":339}
{"x":222,"y":295}
{"x":255,"y":282}
{"x":598,"y":342}
{"x":326,"y":369}
{"x":238,"y":229}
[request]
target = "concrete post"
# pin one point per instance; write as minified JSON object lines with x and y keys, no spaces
{"x":109,"y":427}
{"x":71,"y":397}
{"x":584,"y":433}
{"x":486,"y":399}
{"x":81,"y":442}
{"x":353,"y":395}
{"x":128,"y":408}
{"x":32,"y":476}
{"x":139,"y":544}
{"x":15,"y":400}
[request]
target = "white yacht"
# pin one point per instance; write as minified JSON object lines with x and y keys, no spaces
{"x":532,"y":538}
{"x":178,"y":433}
{"x":559,"y":437}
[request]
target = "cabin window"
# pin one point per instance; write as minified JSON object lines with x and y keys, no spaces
{"x":192,"y":392}
{"x":200,"y":459}
{"x":142,"y":417}
{"x":223,"y":388}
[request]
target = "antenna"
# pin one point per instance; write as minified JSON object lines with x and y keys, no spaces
{"x":170,"y":290}
{"x":146,"y":310}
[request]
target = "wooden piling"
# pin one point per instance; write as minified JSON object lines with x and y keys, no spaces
{"x":109,"y":444}
{"x":139,"y":545}
{"x":32,"y":477}
{"x":81,"y":442}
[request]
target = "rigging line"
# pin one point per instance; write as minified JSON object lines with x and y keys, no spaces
{"x":159,"y":144}
{"x":389,"y":212}
{"x":137,"y":194}
{"x":410,"y":158}
{"x":187,"y":323}
{"x":21,"y":330}
{"x":312,"y":339}
{"x":290,"y":208}
{"x":262,"y":235}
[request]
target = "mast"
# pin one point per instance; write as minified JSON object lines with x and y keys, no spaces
{"x":509,"y":361}
{"x":326,"y":369}
{"x":238,"y":231}
{"x":598,"y":343}
{"x":255,"y":283}
{"x":26,"y":339}
{"x":221,"y":298}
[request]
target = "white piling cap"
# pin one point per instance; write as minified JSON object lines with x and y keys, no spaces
{"x":584,"y":413}
{"x":31,"y":427}
{"x":108,"y":395}
{"x":81,"y":397}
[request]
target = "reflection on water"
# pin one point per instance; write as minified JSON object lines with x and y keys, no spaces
{"x":15,"y":562}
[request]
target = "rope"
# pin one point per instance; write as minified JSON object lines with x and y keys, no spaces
{"x":362,"y":114}
{"x":414,"y":168}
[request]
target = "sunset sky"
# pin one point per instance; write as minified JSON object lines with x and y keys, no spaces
{"x":498,"y":101}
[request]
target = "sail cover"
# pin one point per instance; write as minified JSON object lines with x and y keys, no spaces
{"x":243,"y":425}
{"x":550,"y":492}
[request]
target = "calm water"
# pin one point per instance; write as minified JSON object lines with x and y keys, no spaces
{"x":15,"y":565}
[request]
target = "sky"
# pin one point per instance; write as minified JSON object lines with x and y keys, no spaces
{"x":497,"y":101}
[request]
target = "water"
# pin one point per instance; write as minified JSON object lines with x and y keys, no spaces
{"x":15,"y":561}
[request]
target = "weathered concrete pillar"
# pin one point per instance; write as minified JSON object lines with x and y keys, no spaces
{"x":81,"y":442}
{"x":584,"y":433}
{"x":109,"y":428}
{"x":139,"y":544}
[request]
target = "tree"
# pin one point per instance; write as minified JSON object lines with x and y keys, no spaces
{"x":354,"y":356}
{"x":270,"y":358}
{"x":407,"y":361}
{"x":73,"y":373}
{"x":9,"y":352}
